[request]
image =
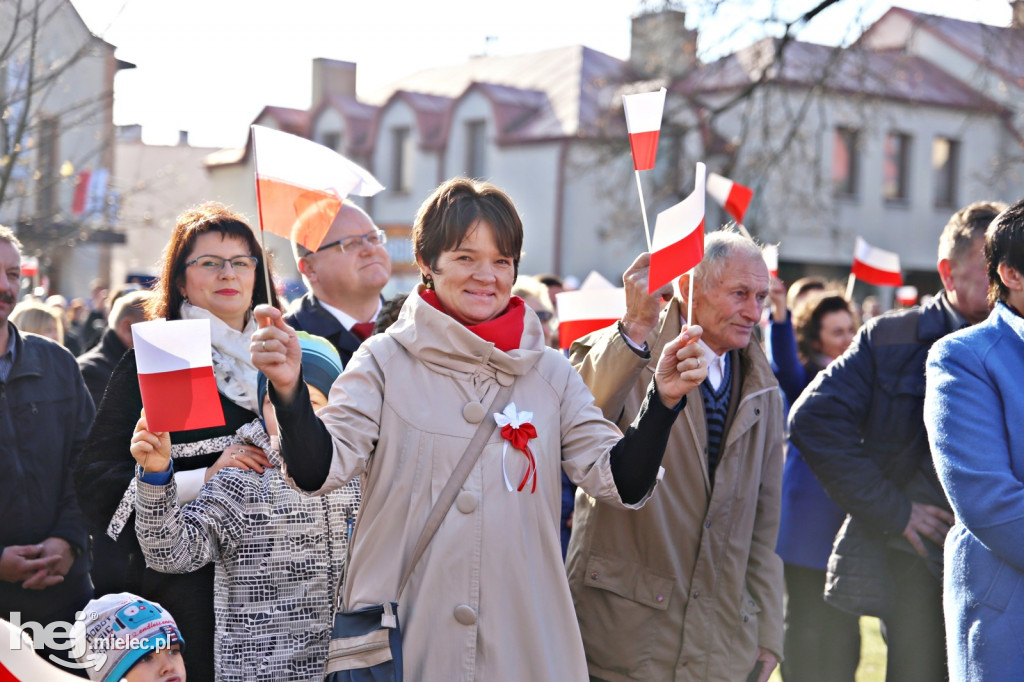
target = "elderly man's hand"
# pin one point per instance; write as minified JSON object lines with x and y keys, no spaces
{"x":681,"y":367}
{"x":20,"y":562}
{"x":642,"y":308}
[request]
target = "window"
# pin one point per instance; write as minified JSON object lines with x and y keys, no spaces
{"x":945,"y":167}
{"x":46,"y":197}
{"x":845,"y":163}
{"x":896,"y":166}
{"x":401,"y":159}
{"x":333,"y":141}
{"x":476,"y":149}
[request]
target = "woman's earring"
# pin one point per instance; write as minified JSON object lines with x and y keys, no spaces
{"x":429,"y":282}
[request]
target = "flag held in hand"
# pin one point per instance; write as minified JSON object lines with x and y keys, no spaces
{"x":876,"y":266}
{"x":678,"y":242}
{"x":179,"y":391}
{"x":300,"y":185}
{"x":595,"y":305}
{"x":732,"y":196}
{"x":643,"y":123}
{"x":770,"y":253}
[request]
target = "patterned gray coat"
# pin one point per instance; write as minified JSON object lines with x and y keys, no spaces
{"x":279,"y":557}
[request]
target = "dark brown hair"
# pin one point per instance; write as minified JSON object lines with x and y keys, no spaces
{"x":808,"y":316}
{"x":447,"y":216}
{"x":209,"y":217}
{"x":1004,"y":243}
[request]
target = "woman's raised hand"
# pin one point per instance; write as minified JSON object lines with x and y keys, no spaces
{"x":681,"y":367}
{"x":151,"y":450}
{"x":276,"y":351}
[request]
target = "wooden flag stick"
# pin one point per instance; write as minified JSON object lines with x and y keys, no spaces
{"x":849,"y":287}
{"x":689,"y":302}
{"x":643,"y":210}
{"x":259,"y":216}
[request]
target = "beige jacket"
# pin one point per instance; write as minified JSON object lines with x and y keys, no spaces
{"x":489,"y":599}
{"x":688,"y":587}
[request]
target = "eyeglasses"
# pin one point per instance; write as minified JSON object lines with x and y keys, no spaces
{"x":214,"y":264}
{"x":373,"y":239}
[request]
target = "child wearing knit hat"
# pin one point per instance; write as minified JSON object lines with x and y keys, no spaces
{"x":124,"y":637}
{"x":279,"y":555}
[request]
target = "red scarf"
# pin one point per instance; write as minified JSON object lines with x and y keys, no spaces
{"x":505,"y":331}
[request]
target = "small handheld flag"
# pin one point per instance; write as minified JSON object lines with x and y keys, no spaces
{"x":732,"y":196}
{"x":179,"y":391}
{"x":300,"y":185}
{"x":771,"y":258}
{"x":643,"y":124}
{"x":595,"y":305}
{"x":876,"y":266}
{"x":678,"y":243}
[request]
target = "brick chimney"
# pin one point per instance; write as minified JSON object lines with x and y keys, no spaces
{"x":332,"y":77}
{"x":1018,"y":13}
{"x":661,"y":46}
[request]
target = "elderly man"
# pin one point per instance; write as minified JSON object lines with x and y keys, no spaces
{"x":45,"y":416}
{"x":345,"y":277}
{"x":97,"y":364}
{"x":859,"y":426}
{"x":689,"y":587}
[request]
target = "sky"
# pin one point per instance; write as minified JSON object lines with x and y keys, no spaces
{"x":210,"y":66}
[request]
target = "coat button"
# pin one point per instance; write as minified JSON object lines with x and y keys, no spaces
{"x":465,"y":502}
{"x":473,"y":412}
{"x":505,"y":379}
{"x":757,"y":410}
{"x":465,"y":614}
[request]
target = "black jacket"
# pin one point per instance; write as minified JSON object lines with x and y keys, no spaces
{"x":860,"y":424}
{"x":45,"y":416}
{"x":310,"y":316}
{"x":97,"y":364}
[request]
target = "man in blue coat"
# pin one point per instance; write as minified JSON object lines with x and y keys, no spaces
{"x":859,"y":426}
{"x":345,"y":276}
{"x":45,"y":416}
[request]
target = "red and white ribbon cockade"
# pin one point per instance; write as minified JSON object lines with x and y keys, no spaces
{"x":517,"y":429}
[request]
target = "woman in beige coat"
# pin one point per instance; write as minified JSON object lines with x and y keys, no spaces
{"x":489,"y":598}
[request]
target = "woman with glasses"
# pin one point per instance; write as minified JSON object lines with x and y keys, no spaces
{"x":212,"y":269}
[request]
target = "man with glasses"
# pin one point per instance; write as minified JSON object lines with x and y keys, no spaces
{"x":345,"y":276}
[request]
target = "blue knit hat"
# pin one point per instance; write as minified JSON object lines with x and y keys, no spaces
{"x":321,"y":365}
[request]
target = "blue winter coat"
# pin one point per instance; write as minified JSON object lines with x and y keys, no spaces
{"x":973,"y":408}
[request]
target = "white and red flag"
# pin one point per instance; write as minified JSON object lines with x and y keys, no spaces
{"x":300,"y":185}
{"x":678,"y":242}
{"x":770,"y":253}
{"x":732,"y":196}
{"x":179,"y":391}
{"x":643,"y":123}
{"x":876,"y":266}
{"x":595,"y":305}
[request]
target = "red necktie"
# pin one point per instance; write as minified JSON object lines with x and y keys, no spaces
{"x":362,"y":329}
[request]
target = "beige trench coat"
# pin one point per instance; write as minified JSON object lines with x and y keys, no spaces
{"x":489,"y":599}
{"x":688,"y":587}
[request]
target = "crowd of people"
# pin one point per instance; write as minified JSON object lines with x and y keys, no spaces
{"x":719,"y":484}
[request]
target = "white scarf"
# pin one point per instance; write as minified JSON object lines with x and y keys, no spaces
{"x":232,"y":362}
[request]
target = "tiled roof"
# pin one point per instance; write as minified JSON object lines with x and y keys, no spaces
{"x":294,"y":121}
{"x":359,"y":121}
{"x":431,"y":116}
{"x":998,"y":48}
{"x":572,"y":80}
{"x":859,"y":72}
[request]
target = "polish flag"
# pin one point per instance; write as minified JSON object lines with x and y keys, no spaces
{"x":906,"y":296}
{"x":300,"y":185}
{"x":30,"y":267}
{"x":732,"y":196}
{"x":179,"y":391}
{"x":771,"y":258}
{"x":643,"y":123}
{"x":595,"y":305}
{"x":678,"y":242}
{"x":876,"y":266}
